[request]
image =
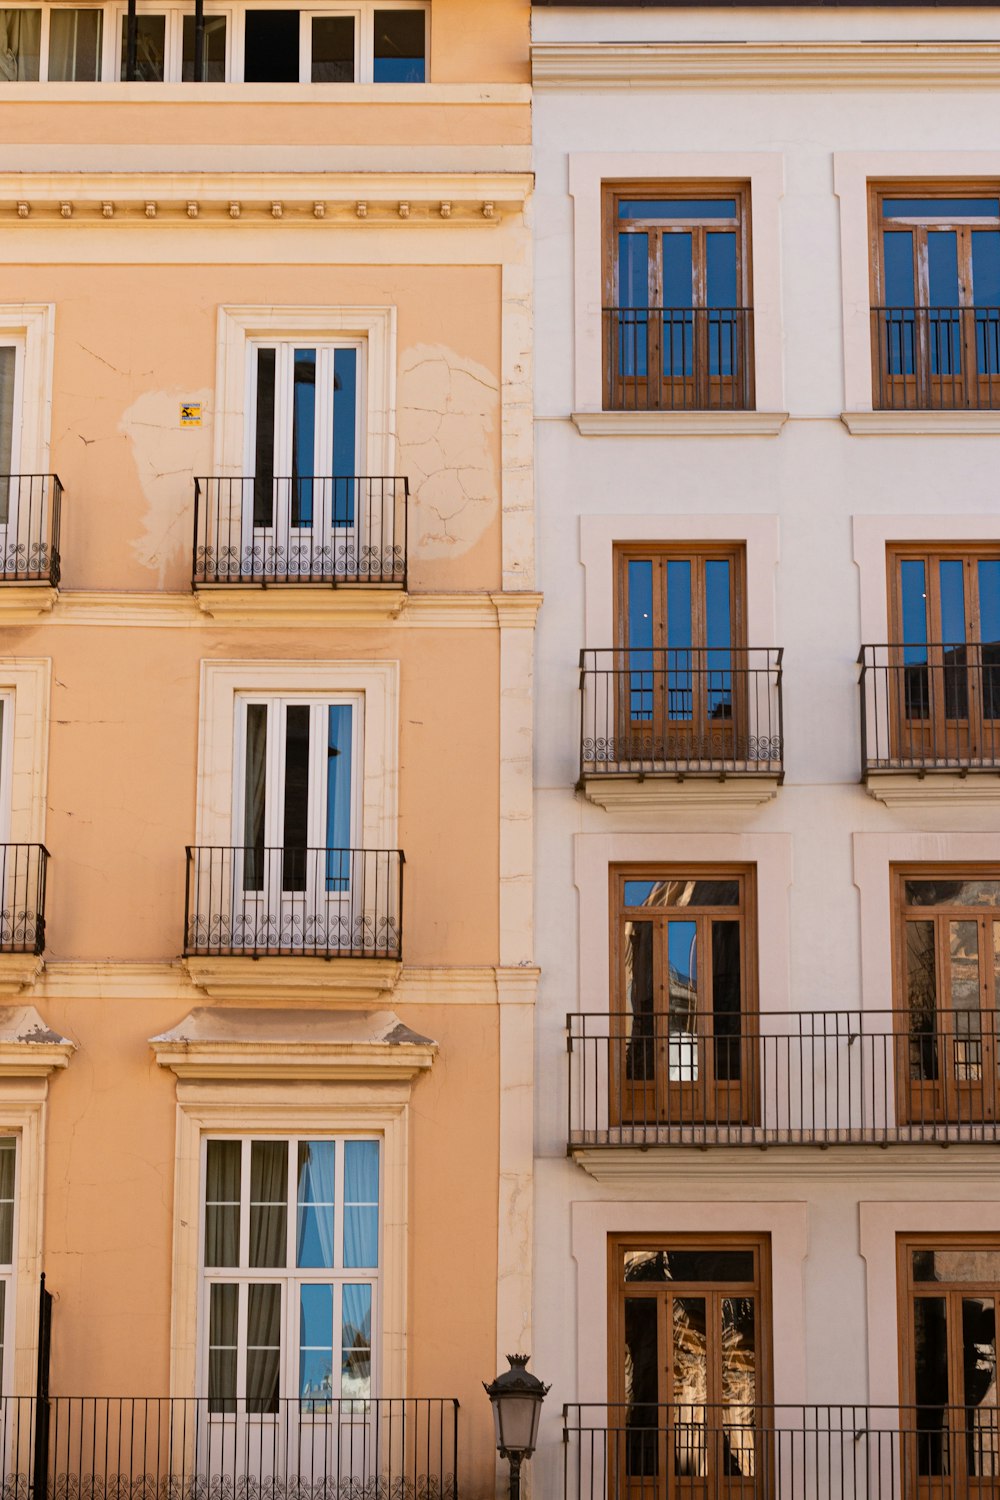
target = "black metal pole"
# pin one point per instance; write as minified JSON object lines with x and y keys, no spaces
{"x":515,"y":1478}
{"x":131,"y":42}
{"x":199,"y":41}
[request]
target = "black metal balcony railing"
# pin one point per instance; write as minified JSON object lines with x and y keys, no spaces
{"x":23,"y":871}
{"x":325,"y":903}
{"x":30,"y":518}
{"x":936,"y":358}
{"x":96,"y":1447}
{"x":930,"y":708}
{"x":672,"y":712}
{"x":748,"y":1451}
{"x":678,"y":358}
{"x":824,"y":1078}
{"x":348,"y":529}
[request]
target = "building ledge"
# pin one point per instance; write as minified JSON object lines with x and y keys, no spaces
{"x":19,"y":971}
{"x":675,"y":793}
{"x":977,"y":787}
{"x":912,"y":423}
{"x":295,"y":977}
{"x":28,"y":1048}
{"x":280,"y":603}
{"x":213,"y":1042}
{"x":679,"y":423}
{"x":658,"y":1169}
{"x":22,"y":603}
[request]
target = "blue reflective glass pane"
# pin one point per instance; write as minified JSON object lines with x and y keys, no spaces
{"x":913,"y":590}
{"x":941,"y":208}
{"x":944,"y":330}
{"x":677,"y":208}
{"x":986,"y":297}
{"x":355,"y":1377}
{"x":303,"y":436}
{"x":897,"y":268}
{"x":952,"y":585}
{"x":718,"y":632}
{"x":338,"y":796}
{"x":721,"y":298}
{"x":638,"y":892}
{"x":361,"y":1203}
{"x":640,"y":637}
{"x":989,"y":600}
{"x":314,"y":1225}
{"x":316,"y":1343}
{"x":682,"y":988}
{"x":680,"y":701}
{"x":345,"y":430}
{"x":678,"y":297}
{"x":400,"y":47}
{"x":633,"y":301}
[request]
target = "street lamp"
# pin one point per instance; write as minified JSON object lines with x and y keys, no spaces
{"x":516,"y":1398}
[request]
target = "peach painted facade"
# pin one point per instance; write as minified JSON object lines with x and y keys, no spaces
{"x":174,"y":255}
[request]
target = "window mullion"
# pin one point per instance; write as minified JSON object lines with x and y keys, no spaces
{"x":243,"y":1259}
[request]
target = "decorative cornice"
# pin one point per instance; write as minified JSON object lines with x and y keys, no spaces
{"x":679,"y":423}
{"x":670,"y":794}
{"x":980,"y":788}
{"x":389,"y":95}
{"x":737,"y":65}
{"x":928,"y":423}
{"x":276,"y":198}
{"x":358,"y":980}
{"x":19,"y":971}
{"x":28,"y":1048}
{"x":23,"y":603}
{"x":517,"y":611}
{"x":245,"y":603}
{"x":657,"y":1169}
{"x":279,"y":607}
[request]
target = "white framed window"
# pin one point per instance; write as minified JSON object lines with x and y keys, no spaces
{"x":8,"y":1242}
{"x":55,"y":44}
{"x":385,"y":42}
{"x":165,"y":44}
{"x":291,"y":1258}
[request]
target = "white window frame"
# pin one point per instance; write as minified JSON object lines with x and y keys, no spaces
{"x":291,"y":1277}
{"x":364,"y":36}
{"x":31,"y":326}
{"x":371,"y":329}
{"x":115,"y":17}
{"x":8,"y":1271}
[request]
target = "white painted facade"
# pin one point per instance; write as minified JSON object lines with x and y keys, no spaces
{"x":808,"y":106}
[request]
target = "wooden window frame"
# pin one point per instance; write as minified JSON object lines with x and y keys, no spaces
{"x":707,"y":1100}
{"x":943,"y":1100}
{"x":938,"y":736}
{"x":924,"y":390}
{"x":700,"y":391}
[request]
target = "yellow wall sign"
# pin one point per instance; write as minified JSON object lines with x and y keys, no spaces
{"x":191,"y":414}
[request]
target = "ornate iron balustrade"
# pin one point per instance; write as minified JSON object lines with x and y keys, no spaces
{"x":936,"y":358}
{"x":348,"y":529}
{"x":678,"y":358}
{"x":326,"y":903}
{"x":175,"y":1448}
{"x":681,"y":712}
{"x":930,"y":708}
{"x":823,"y":1078}
{"x":30,"y":519}
{"x":23,"y":872}
{"x":649,"y":1451}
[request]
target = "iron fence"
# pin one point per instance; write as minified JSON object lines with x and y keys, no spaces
{"x":345,"y":529}
{"x":744,"y":1450}
{"x":681,"y":711}
{"x":945,"y":358}
{"x":172,"y":1448}
{"x":30,"y":519}
{"x":930,"y":707}
{"x":327,"y":903}
{"x":678,"y":358}
{"x":23,"y":873}
{"x":823,"y":1078}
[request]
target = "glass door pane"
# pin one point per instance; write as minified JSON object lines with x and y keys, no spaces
{"x":641,"y":1387}
{"x":988,"y":580}
{"x":718,"y":640}
{"x":682,"y":990}
{"x":964,"y":997}
{"x":338,"y":796}
{"x":951,"y":584}
{"x":931,"y":1386}
{"x":633,"y":303}
{"x":986,"y":299}
{"x":677,"y":248}
{"x":303,"y":436}
{"x":690,"y":1375}
{"x":738,"y":1347}
{"x":295,"y":807}
{"x":944,"y":328}
{"x":979,"y":1387}
{"x":680,"y":699}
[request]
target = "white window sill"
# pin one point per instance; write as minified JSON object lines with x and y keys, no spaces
{"x":679,"y":423}
{"x":668,"y":794}
{"x":909,"y":423}
{"x":296,"y":977}
{"x":977,"y":788}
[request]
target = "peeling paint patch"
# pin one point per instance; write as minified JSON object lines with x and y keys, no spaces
{"x":155,"y":440}
{"x":446,"y":412}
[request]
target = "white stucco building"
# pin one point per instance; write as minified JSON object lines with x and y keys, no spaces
{"x":768,"y":431}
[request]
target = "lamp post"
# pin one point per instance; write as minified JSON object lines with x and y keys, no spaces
{"x":516,"y":1398}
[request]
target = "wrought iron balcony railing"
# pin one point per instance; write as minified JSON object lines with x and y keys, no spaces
{"x":681,"y":712}
{"x":930,"y":708}
{"x":745,"y":1450}
{"x":678,"y":358}
{"x":824,"y":1078}
{"x":348,"y":529}
{"x":30,"y":518}
{"x":23,"y":871}
{"x":936,"y":358}
{"x":95,"y":1447}
{"x":325,"y":903}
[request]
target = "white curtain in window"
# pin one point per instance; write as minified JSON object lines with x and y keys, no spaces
{"x":20,"y":45}
{"x":75,"y":45}
{"x":268,"y":1203}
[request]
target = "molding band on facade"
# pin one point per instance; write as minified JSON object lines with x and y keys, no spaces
{"x":679,"y":423}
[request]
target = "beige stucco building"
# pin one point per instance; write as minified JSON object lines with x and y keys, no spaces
{"x":266,"y":313}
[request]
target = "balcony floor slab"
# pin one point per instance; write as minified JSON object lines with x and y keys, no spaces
{"x":365,"y":981}
{"x":677,"y":791}
{"x":973,"y":787}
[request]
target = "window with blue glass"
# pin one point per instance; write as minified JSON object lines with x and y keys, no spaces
{"x":295,"y":808}
{"x":679,"y":633}
{"x":936,"y":298}
{"x":677,"y":318}
{"x":291,"y":1256}
{"x":946,"y":632}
